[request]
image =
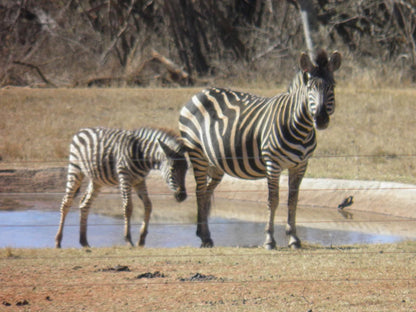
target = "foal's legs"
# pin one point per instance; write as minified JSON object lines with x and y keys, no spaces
{"x":141,"y":191}
{"x":72,"y":186}
{"x":86,"y":201}
{"x":125,"y":189}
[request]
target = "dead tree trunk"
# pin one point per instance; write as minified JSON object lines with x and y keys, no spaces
{"x":185,"y":27}
{"x":309,"y":23}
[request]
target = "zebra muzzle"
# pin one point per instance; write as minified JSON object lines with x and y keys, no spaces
{"x":180,"y":195}
{"x":322,"y":120}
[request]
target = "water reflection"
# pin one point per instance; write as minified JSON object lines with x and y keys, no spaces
{"x":37,"y":229}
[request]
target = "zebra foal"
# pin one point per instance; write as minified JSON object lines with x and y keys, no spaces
{"x":252,"y":137}
{"x":124,"y":158}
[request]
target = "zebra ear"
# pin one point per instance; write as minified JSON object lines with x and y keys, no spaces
{"x":305,"y":78}
{"x":306,"y":64}
{"x":335,"y":61}
{"x":181,"y":143}
{"x":167,"y":150}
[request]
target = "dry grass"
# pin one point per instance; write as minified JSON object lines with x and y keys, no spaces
{"x":36,"y":127}
{"x":371,"y":133}
{"x":355,"y":278}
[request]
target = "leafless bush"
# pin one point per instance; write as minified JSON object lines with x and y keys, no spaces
{"x":75,"y":42}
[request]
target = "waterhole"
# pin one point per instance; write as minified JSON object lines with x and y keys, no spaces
{"x":31,"y":221}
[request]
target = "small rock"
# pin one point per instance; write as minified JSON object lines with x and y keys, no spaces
{"x":121,"y":268}
{"x":22,"y":303}
{"x":199,"y":277}
{"x":117,"y":268}
{"x":151,"y":275}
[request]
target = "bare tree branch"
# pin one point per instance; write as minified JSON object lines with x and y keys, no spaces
{"x":39,"y":72}
{"x":170,"y":66}
{"x":123,"y":29}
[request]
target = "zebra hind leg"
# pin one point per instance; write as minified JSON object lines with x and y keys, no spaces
{"x":204,"y":206}
{"x":202,"y":228}
{"x":86,"y":201}
{"x":72,"y":188}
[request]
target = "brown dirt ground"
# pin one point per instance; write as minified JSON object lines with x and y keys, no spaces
{"x":351,"y":278}
{"x":377,"y":278}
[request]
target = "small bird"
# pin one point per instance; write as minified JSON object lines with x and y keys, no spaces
{"x":347,"y":202}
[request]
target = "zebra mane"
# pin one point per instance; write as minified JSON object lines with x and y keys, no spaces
{"x":170,"y":132}
{"x":167,"y":135}
{"x":321,"y":59}
{"x":296,"y":82}
{"x":321,"y":69}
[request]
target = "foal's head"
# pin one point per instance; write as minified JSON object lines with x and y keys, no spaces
{"x":174,"y":168}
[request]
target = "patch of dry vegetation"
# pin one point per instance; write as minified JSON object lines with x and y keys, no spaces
{"x":374,"y":128}
{"x":371,"y":135}
{"x":361,"y":278}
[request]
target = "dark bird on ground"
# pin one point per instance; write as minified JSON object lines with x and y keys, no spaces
{"x":346,"y":203}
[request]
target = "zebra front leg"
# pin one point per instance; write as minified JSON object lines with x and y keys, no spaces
{"x":272,"y":202}
{"x":125,"y":189}
{"x":141,"y":190}
{"x":295,"y":178}
{"x":86,"y":201}
{"x":72,"y":187}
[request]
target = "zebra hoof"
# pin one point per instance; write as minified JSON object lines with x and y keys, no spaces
{"x":294,"y":243}
{"x":84,"y":244}
{"x":270,"y":245}
{"x":207,"y":244}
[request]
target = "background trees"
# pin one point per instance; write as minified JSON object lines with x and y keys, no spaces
{"x":185,"y":42}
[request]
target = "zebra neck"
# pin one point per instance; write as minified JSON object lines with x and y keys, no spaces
{"x":148,"y":155}
{"x":156,"y":158}
{"x":301,"y":122}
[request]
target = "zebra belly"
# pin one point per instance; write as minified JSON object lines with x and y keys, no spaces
{"x":235,"y":157}
{"x":245,"y":167}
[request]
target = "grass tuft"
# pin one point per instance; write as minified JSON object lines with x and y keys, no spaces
{"x":8,"y":252}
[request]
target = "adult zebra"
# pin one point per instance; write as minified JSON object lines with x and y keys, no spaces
{"x":124,"y":158}
{"x":252,"y":137}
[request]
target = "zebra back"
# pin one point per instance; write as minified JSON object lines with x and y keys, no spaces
{"x":100,"y":153}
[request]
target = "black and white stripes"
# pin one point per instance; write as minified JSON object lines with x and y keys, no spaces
{"x":252,"y":137}
{"x":124,"y":158}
